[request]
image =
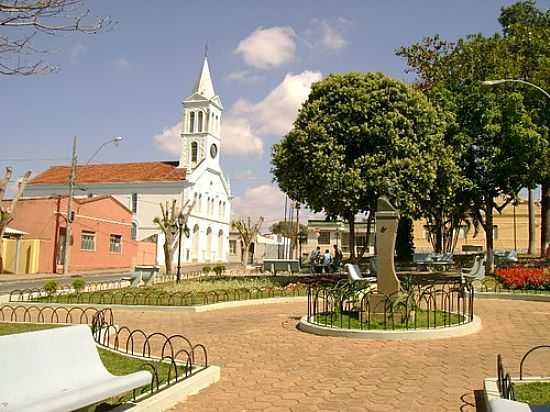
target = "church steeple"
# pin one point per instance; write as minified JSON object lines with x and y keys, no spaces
{"x":203,"y":85}
{"x":201,"y":124}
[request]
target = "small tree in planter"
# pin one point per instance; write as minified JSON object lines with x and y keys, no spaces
{"x":206,"y":270}
{"x":51,"y":287}
{"x":79,"y":284}
{"x":218,"y":269}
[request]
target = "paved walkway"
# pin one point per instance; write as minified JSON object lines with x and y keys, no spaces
{"x":268,"y":365}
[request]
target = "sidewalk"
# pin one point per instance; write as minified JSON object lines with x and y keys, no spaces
{"x":7,"y":277}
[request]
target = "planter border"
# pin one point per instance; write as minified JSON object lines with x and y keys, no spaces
{"x":181,"y":309}
{"x":409,"y":334}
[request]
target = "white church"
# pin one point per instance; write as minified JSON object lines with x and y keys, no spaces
{"x":143,"y":186}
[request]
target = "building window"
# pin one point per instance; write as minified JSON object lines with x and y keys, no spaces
{"x":133,"y":232}
{"x":134,"y":202}
{"x":87,"y":240}
{"x":324,"y":237}
{"x":191,"y":122}
{"x":194,"y":151}
{"x":200,"y":122}
{"x":199,"y":208}
{"x":495,"y":232}
{"x":232,"y":247}
{"x":115,"y":244}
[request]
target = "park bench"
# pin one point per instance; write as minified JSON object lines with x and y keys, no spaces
{"x":354,"y":273}
{"x":142,"y":274}
{"x":477,"y":271}
{"x":58,"y":370}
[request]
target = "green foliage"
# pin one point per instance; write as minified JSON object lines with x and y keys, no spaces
{"x":357,"y":137}
{"x":218,"y":269}
{"x":404,"y":245}
{"x":499,"y":134}
{"x":51,"y":287}
{"x":288,"y":229}
{"x":206,"y":270}
{"x":79,"y":284}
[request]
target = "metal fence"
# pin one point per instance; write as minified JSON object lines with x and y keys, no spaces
{"x":356,"y":305}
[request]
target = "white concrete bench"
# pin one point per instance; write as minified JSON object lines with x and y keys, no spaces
{"x":505,"y":405}
{"x":354,"y":273}
{"x":57,"y":370}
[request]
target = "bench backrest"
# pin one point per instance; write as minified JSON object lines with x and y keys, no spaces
{"x":35,"y":364}
{"x":354,"y":272}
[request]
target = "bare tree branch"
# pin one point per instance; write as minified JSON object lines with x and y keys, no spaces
{"x":22,"y":20}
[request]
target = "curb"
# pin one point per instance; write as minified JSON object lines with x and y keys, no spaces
{"x":155,"y":308}
{"x":411,"y":334}
{"x":179,"y":392}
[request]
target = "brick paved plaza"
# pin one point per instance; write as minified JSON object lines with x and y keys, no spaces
{"x":268,"y":365}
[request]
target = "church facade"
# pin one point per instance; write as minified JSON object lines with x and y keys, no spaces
{"x":143,"y":186}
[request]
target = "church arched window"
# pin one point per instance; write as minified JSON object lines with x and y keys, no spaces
{"x":200,"y":203}
{"x":200,"y":122}
{"x":191,"y":122}
{"x":194,"y":151}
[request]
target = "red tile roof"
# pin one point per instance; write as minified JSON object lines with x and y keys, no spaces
{"x":113,"y":173}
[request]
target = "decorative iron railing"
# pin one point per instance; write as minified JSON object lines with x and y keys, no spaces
{"x":360,"y":305}
{"x":156,"y":350}
{"x":152,"y":296}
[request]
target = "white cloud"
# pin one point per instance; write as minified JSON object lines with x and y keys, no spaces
{"x":245,"y":175}
{"x":169,"y":140}
{"x":326,"y":34}
{"x":121,"y":63}
{"x":264,"y":200}
{"x":275,"y":114}
{"x":332,"y":39}
{"x":238,"y":138}
{"x":268,"y":48}
{"x":246,"y":123}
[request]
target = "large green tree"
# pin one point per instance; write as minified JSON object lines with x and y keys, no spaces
{"x":527,"y":31}
{"x":499,"y":146}
{"x":359,"y":136}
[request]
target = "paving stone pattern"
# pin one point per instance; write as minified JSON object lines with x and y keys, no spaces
{"x":268,"y":365}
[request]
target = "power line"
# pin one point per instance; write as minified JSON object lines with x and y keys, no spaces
{"x":31,"y":159}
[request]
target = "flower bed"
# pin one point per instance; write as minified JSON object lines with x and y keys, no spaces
{"x":527,"y":278}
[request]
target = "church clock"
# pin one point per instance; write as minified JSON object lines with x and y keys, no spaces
{"x":213,"y":150}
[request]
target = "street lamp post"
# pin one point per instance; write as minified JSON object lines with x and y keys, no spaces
{"x":545,"y":189}
{"x":182,"y":228}
{"x":72,"y":181}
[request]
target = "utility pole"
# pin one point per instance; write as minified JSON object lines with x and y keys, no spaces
{"x":68,"y":231}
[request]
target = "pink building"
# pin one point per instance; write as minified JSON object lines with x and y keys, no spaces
{"x":102,"y":232}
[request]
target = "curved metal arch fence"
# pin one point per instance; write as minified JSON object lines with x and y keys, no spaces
{"x":353,"y":305}
{"x":176,"y":352}
{"x":158,"y":297}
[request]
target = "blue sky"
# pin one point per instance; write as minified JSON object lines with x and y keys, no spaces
{"x":131,"y":80}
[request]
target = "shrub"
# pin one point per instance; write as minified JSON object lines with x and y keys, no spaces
{"x":524,"y":278}
{"x":79,"y":284}
{"x":218,"y":269}
{"x":50,"y":287}
{"x":206,"y":270}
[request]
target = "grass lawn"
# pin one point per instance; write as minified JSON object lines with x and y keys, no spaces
{"x":535,"y":393}
{"x":7,"y":328}
{"x":116,"y":363}
{"x":351,"y":320}
{"x":189,"y":292}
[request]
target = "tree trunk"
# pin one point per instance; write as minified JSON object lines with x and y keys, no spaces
{"x":1,"y":260}
{"x":351,"y":221}
{"x":367,"y":237}
{"x":490,"y":264}
{"x":168,"y":257}
{"x":545,"y":218}
{"x":532,"y":249}
{"x":438,"y":233}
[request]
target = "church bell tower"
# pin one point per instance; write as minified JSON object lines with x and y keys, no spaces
{"x":201,"y":125}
